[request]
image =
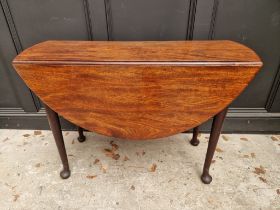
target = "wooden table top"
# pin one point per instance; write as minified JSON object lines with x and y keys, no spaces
{"x":137,"y":90}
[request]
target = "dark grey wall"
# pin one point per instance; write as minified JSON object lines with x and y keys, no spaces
{"x":255,"y":23}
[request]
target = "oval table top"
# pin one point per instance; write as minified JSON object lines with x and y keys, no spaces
{"x":137,"y":90}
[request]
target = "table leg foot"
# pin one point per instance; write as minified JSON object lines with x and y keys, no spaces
{"x":206,"y":178}
{"x":194,"y":140}
{"x":65,"y":174}
{"x":56,"y":130}
{"x":81,"y":137}
{"x":213,"y":140}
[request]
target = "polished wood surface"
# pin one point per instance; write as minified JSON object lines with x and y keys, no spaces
{"x":137,"y":90}
{"x":84,"y":52}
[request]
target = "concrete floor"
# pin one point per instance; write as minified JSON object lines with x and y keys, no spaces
{"x":162,"y":174}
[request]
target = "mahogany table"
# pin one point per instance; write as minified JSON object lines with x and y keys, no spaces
{"x":137,"y":90}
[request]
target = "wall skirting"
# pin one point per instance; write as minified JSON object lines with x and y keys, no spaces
{"x":238,"y":121}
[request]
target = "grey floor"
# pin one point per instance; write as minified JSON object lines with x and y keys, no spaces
{"x":159,"y":174}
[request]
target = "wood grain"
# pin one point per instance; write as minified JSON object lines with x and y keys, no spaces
{"x":131,"y":51}
{"x":137,"y":90}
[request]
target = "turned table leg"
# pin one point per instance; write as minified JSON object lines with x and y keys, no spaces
{"x":56,"y":130}
{"x":194,"y":140}
{"x":81,"y":137}
{"x":213,"y":140}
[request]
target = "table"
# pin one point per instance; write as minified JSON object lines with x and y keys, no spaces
{"x":137,"y":90}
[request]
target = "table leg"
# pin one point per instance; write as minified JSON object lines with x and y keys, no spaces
{"x":56,"y":130}
{"x":213,"y":140}
{"x":194,"y":140}
{"x":81,"y":137}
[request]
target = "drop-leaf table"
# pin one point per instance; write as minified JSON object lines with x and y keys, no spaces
{"x":137,"y":90}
